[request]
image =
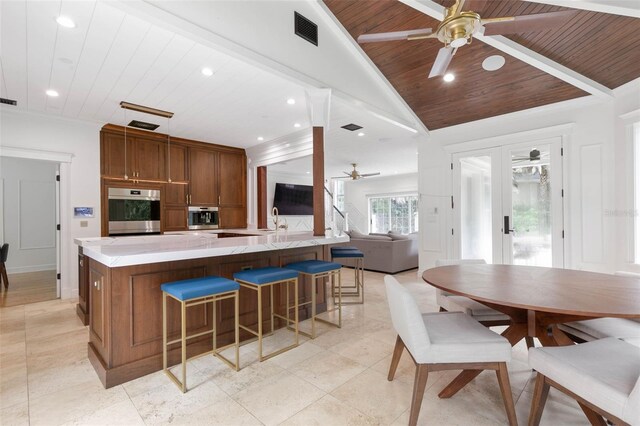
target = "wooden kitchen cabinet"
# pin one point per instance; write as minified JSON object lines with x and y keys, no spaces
{"x":82,"y":308}
{"x":98,"y":322}
{"x":203,"y":177}
{"x":209,"y":175}
{"x":145,"y":159}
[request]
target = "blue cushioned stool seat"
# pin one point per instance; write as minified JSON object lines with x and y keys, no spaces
{"x":314,"y":266}
{"x":265,"y":275}
{"x":347,"y":253}
{"x":199,"y":287}
{"x":343,"y":248}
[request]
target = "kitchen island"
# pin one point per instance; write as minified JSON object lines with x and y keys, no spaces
{"x":123,"y":299}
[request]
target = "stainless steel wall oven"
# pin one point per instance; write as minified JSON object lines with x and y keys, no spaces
{"x":134,"y":211}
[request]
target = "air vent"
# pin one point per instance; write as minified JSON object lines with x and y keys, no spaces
{"x":143,"y":125}
{"x":352,"y":127}
{"x":306,"y":29}
{"x":8,"y":101}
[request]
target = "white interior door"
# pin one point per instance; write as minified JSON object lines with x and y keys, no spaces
{"x":507,"y":204}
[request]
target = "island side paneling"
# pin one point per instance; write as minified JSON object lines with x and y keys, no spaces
{"x":126,"y":310}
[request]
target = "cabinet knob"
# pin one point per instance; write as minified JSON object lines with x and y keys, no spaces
{"x":96,"y":284}
{"x":81,"y":262}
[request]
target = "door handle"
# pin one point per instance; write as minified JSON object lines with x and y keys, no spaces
{"x":506,"y":229}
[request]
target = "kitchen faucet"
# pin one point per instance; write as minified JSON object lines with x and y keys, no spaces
{"x":276,"y":220}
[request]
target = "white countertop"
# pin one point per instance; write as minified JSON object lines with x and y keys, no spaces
{"x":139,"y":250}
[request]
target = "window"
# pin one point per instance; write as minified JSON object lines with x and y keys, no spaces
{"x":397,"y":213}
{"x":338,"y":194}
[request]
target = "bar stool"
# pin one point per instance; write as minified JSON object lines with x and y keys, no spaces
{"x":357,"y":289}
{"x":318,"y":269}
{"x":256,"y":279}
{"x":193,"y":292}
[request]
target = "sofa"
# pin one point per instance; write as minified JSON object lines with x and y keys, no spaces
{"x":390,"y":253}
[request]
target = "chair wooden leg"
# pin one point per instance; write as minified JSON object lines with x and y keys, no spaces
{"x":594,"y":418}
{"x":539,"y":399}
{"x":505,"y":388}
{"x":530,"y":343}
{"x":395,"y":359}
{"x":422,"y":372}
{"x":4,"y":275}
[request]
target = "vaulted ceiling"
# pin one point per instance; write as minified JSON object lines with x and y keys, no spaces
{"x":600,"y":47}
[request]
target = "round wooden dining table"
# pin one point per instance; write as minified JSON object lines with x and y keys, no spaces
{"x":537,"y":299}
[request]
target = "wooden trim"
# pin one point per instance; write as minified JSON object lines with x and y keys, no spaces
{"x":262,"y":197}
{"x":118,"y":130}
{"x":318,"y":181}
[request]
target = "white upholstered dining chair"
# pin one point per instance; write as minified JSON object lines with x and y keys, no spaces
{"x":481,"y":313}
{"x":444,"y":341}
{"x":603,"y":376}
{"x":600,"y":328}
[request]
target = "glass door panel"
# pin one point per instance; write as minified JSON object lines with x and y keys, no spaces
{"x":532,"y":200}
{"x":477,"y":206}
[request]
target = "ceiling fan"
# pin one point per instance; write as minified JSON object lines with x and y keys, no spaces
{"x":461,"y":23}
{"x":534,"y":155}
{"x":355,"y":174}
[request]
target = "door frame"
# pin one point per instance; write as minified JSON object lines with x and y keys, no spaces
{"x":562,"y":131}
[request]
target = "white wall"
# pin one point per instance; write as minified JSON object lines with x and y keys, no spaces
{"x":295,"y":223}
{"x":80,"y":185}
{"x":595,"y":174}
{"x":356,"y":193}
{"x":29,"y":213}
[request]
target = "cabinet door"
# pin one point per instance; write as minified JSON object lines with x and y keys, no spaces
{"x":233,"y":217}
{"x":175,"y":194}
{"x":96,"y":299}
{"x":150,"y":159}
{"x":175,"y":219}
{"x":232,"y":179}
{"x":203,"y":168}
{"x":112,"y":160}
{"x":83,"y":287}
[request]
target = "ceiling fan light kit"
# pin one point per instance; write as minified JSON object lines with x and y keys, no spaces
{"x":459,"y":26}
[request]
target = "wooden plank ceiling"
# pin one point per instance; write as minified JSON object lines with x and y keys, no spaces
{"x":602,"y":47}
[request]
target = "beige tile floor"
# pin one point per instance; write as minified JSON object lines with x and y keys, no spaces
{"x":337,"y":379}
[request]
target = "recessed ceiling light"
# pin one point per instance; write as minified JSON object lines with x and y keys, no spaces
{"x":52,"y":93}
{"x":494,"y":62}
{"x":207,"y":72}
{"x":449,"y":77}
{"x":296,"y":125}
{"x":260,"y":138}
{"x":291,"y":101}
{"x":308,"y":173}
{"x":65,"y":21}
{"x":361,"y":134}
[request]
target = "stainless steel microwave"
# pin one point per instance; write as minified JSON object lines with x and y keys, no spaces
{"x":203,"y":218}
{"x":134,"y":211}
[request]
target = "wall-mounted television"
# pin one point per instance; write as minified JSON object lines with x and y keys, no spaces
{"x":294,"y":200}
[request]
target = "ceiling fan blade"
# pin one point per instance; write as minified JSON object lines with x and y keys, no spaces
{"x":526,"y":23}
{"x":445,"y":54}
{"x":370,"y":174}
{"x":340,"y":177}
{"x":348,"y":174}
{"x":396,"y":35}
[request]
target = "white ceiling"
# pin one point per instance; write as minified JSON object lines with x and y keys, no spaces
{"x":119,"y":53}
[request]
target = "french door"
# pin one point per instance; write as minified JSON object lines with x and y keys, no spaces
{"x":507,"y":204}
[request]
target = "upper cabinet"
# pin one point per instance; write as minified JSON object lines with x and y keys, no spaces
{"x":138,"y":159}
{"x":203,"y":177}
{"x":190,"y":173}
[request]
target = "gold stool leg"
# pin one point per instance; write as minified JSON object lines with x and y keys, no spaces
{"x":339,"y":298}
{"x":236,"y":298}
{"x":164,"y":331}
{"x":295,"y":307}
{"x":215,"y":331}
{"x":259,"y":323}
{"x":184,"y":346}
{"x":272,"y":310}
